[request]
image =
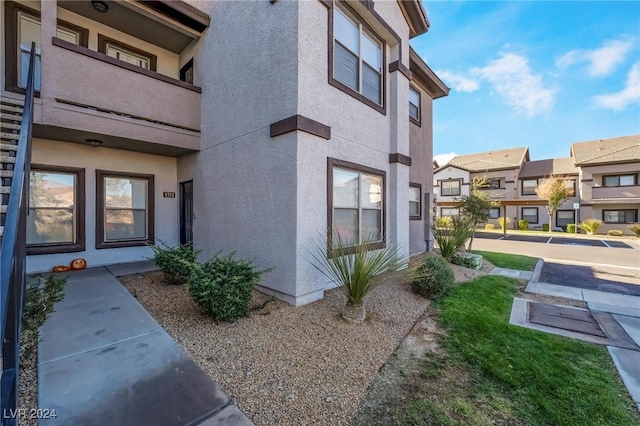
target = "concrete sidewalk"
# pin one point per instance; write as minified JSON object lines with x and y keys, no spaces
{"x":624,"y":309}
{"x":103,"y":360}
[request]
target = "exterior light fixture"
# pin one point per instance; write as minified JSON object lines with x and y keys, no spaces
{"x":94,"y":142}
{"x":100,"y":6}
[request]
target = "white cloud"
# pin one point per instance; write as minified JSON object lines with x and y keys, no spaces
{"x":459,"y":82}
{"x":522,"y":90}
{"x":602,"y":61}
{"x":631,"y":93}
{"x":443,"y":159}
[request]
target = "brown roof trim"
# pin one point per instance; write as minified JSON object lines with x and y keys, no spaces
{"x":415,"y":16}
{"x":400,"y":158}
{"x":586,"y":163}
{"x":180,"y":12}
{"x":302,"y":123}
{"x":399,"y":66}
{"x":420,"y":70}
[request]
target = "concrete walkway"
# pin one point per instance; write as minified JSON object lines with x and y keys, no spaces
{"x":103,"y":360}
{"x":624,"y":309}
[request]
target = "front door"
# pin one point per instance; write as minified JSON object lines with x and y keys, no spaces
{"x":186,"y":212}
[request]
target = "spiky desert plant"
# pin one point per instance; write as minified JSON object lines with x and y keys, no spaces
{"x":451,"y":240}
{"x":590,"y":226}
{"x":357,"y":268}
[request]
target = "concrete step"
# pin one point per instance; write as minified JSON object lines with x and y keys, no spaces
{"x":11,"y":108}
{"x":12,"y":126}
{"x":9,"y":136}
{"x":5,"y":159}
{"x":6,"y":173}
{"x":11,"y":101}
{"x":8,"y":147}
{"x":5,"y":189}
{"x":10,"y":117}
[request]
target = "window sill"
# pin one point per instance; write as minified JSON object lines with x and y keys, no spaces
{"x":35,"y":250}
{"x":418,"y":217}
{"x":121,"y":244}
{"x":414,"y":121}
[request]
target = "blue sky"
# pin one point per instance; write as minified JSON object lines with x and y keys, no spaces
{"x":541,"y":74}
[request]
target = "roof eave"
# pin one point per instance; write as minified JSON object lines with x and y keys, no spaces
{"x":421,"y":70}
{"x":416,"y":17}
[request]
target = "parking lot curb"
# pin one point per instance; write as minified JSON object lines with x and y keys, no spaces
{"x":535,"y":278}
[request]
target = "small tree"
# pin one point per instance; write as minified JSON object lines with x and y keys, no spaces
{"x":556,"y":192}
{"x":475,"y":206}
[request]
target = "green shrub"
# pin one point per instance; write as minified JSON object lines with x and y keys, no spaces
{"x":451,"y":239}
{"x":615,"y":233}
{"x":222,"y":286}
{"x":635,"y":228}
{"x":489,"y":226}
{"x":571,"y":227}
{"x":467,"y":260}
{"x":545,"y":227}
{"x":444,"y":222}
{"x":435,"y":277}
{"x":504,"y":221}
{"x":590,"y":226}
{"x":176,"y":262}
{"x":523,"y":224}
{"x":40,"y":298}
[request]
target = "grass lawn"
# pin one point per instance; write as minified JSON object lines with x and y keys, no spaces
{"x":506,"y":260}
{"x":510,"y":375}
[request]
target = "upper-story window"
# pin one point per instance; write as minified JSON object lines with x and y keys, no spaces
{"x":620,"y":180}
{"x":414,"y":105}
{"x":529,"y":186}
{"x":126,"y":53}
{"x":490,"y":184}
{"x":449,"y":187}
{"x":415,"y":207}
{"x":357,"y":56}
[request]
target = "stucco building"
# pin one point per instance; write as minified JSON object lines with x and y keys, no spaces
{"x":248,"y":126}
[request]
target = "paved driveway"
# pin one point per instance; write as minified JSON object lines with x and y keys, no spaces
{"x":592,"y":277}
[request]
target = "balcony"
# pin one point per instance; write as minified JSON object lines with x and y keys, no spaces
{"x":495,"y":193}
{"x":92,"y":92}
{"x":616,"y":192}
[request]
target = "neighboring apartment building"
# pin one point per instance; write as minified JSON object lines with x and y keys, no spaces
{"x":609,"y":187}
{"x":603,"y":175}
{"x":170,"y":121}
{"x":498,"y":170}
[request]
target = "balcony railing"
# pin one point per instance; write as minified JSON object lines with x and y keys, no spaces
{"x":604,"y":192}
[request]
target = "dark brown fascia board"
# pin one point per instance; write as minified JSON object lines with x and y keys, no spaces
{"x":419,"y":69}
{"x":302,"y":123}
{"x":399,"y":66}
{"x":415,"y":16}
{"x":181,"y":12}
{"x":451,"y":165}
{"x":400,"y":158}
{"x":604,"y":163}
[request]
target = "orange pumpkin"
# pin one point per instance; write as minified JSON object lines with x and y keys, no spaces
{"x":61,"y":268}
{"x":77,"y":264}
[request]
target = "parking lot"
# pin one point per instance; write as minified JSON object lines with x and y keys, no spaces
{"x":555,"y":239}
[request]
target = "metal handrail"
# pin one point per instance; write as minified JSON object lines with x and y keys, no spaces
{"x":13,"y":253}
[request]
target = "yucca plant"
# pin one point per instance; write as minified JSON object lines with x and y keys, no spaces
{"x":590,"y":226}
{"x":451,"y":240}
{"x":357,"y":268}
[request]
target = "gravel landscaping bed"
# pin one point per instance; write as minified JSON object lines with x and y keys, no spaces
{"x":286,"y":365}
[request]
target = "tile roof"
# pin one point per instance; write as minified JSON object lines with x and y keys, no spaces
{"x":503,"y":159}
{"x":625,"y":148}
{"x":549,"y":167}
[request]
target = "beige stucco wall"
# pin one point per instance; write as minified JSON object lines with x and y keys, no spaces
{"x":57,"y":153}
{"x":451,"y":173}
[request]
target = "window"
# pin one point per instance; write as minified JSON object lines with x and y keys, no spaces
{"x":414,"y":106}
{"x":449,"y":212}
{"x":21,"y":29}
{"x":186,"y":72}
{"x":530,"y":214}
{"x":529,"y":186}
{"x":357,"y":57}
{"x":126,"y":53}
{"x":620,"y":180}
{"x":620,"y":216}
{"x":490,"y":184}
{"x":564,"y":218}
{"x":55,"y":222}
{"x":571,"y":184}
{"x":357,"y":203}
{"x":415,"y":205}
{"x":125,"y":209}
{"x":494,"y":213}
{"x":449,"y":188}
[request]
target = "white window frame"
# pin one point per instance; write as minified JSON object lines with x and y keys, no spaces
{"x":415,"y":188}
{"x":524,"y":216}
{"x":449,"y":211}
{"x":362,"y":32}
{"x":442,"y":188}
{"x":417,"y":119}
{"x":529,"y":186}
{"x":119,"y":50}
